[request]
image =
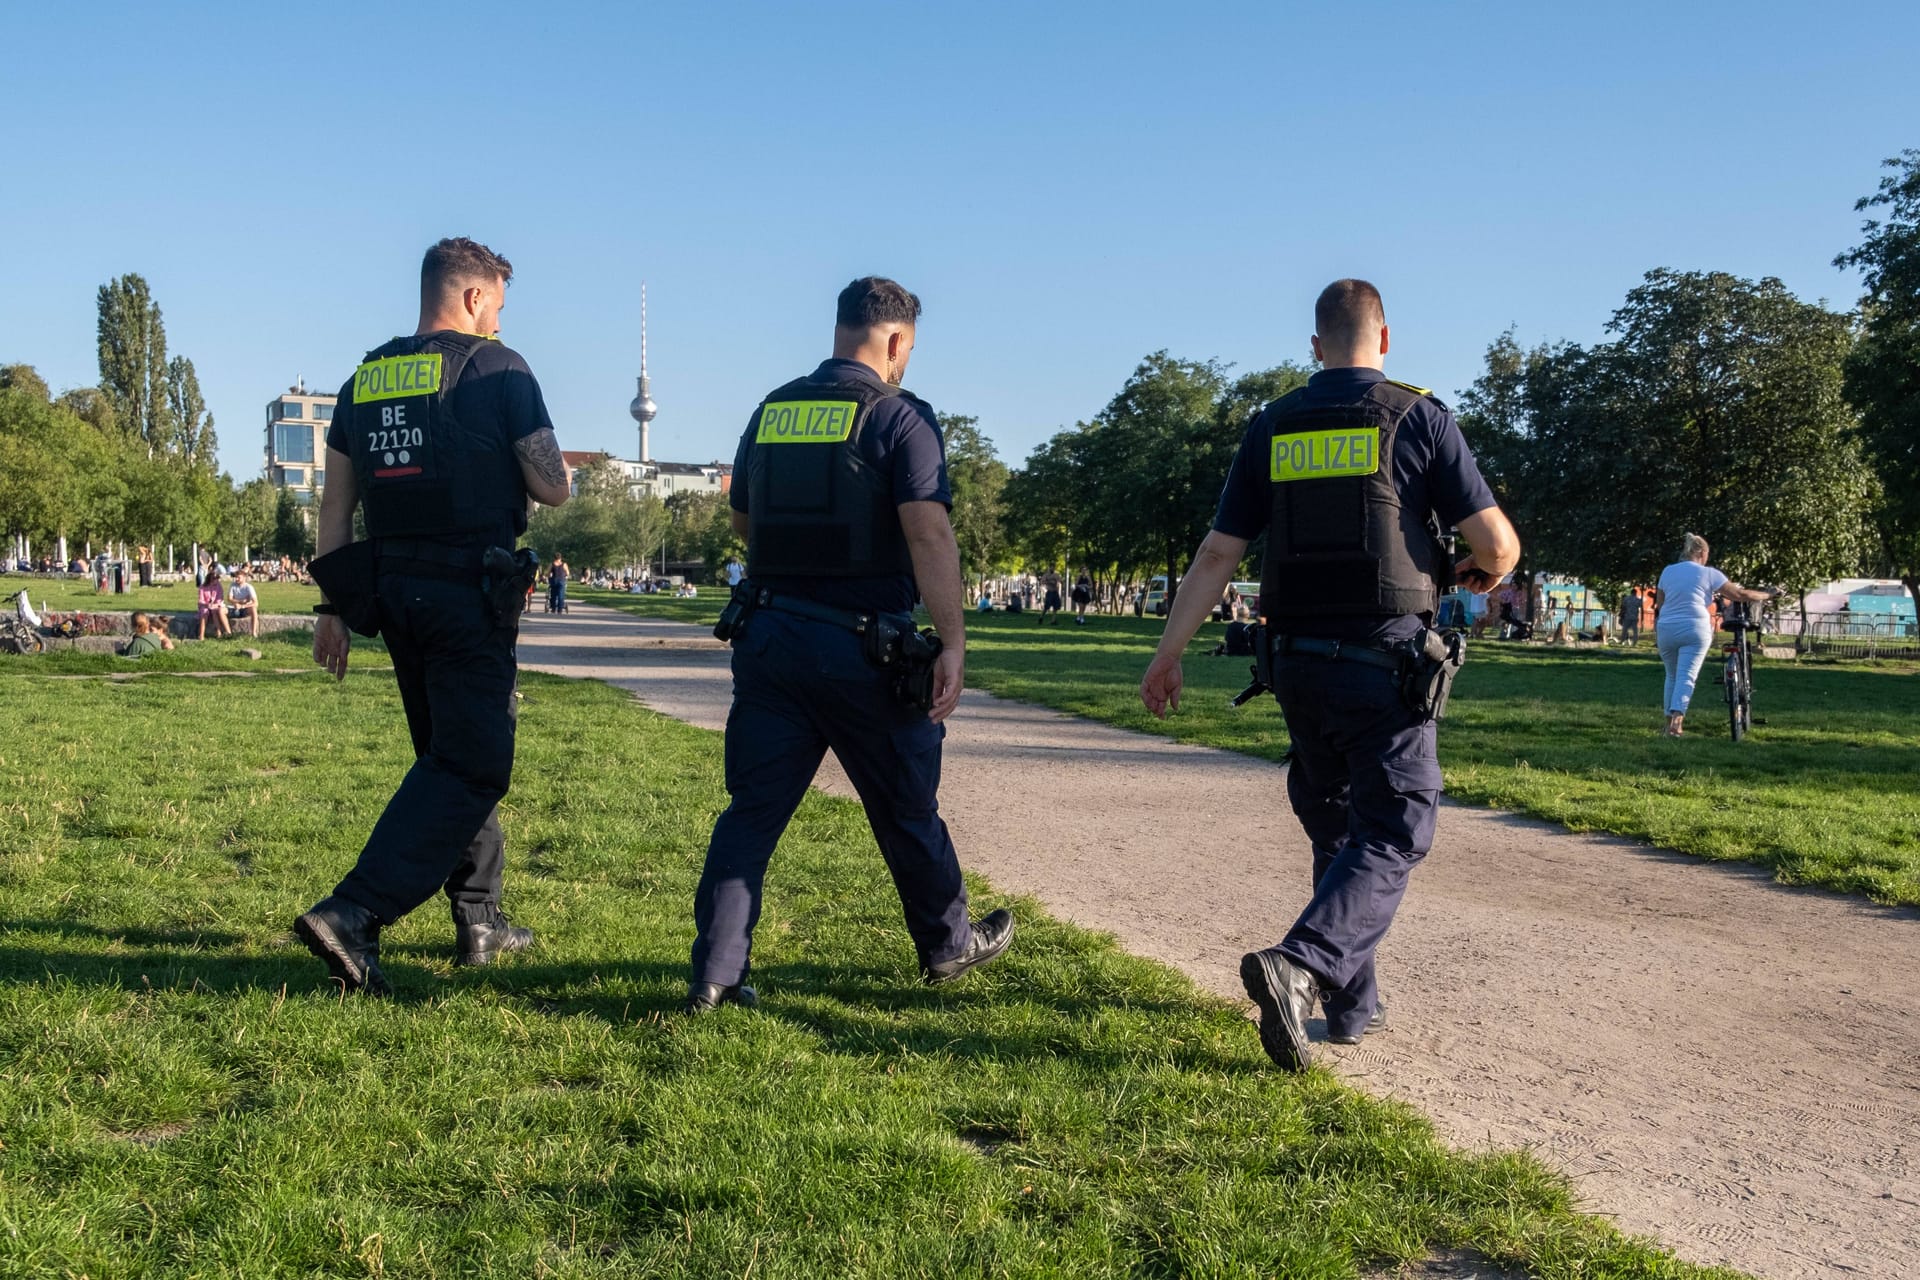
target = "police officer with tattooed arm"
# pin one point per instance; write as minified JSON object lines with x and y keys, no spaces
{"x":1352,"y":478}
{"x":840,"y":489}
{"x":440,"y":439}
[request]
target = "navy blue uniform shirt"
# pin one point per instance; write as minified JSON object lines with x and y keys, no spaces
{"x":1433,"y":470}
{"x":496,"y":395}
{"x":901,"y":439}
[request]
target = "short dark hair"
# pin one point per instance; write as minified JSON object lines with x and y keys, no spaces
{"x":456,"y":260}
{"x":873,"y":300}
{"x":1345,"y":310}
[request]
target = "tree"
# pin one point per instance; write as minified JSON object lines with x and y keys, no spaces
{"x":291,"y":534}
{"x":133,"y":361}
{"x":605,"y":523}
{"x":192,"y":424}
{"x":1717,"y":408}
{"x":1883,"y":370}
{"x":247,"y":515}
{"x":24,"y":377}
{"x":979,"y":481}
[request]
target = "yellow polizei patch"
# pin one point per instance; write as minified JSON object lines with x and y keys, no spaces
{"x":1319,"y":455}
{"x":397,"y":377}
{"x":806,"y":421}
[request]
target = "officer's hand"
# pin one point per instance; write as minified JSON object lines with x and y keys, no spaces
{"x":949,"y":672}
{"x":331,"y":640}
{"x":1473,"y":577}
{"x":1160,"y":687}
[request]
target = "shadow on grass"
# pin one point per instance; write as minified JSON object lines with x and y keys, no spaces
{"x":856,"y":1011}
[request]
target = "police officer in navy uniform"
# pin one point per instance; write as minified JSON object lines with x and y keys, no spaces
{"x":440,"y":439}
{"x":840,"y":489}
{"x":1351,"y":477}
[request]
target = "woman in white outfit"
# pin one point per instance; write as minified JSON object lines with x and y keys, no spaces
{"x":1685,"y":629}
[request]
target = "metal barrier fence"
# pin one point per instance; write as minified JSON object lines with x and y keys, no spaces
{"x":1838,"y":636}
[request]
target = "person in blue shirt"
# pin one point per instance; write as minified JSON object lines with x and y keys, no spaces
{"x":1351,"y":477}
{"x":1684,"y":630}
{"x":840,"y":490}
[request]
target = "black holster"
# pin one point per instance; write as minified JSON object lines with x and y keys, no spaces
{"x":350,"y":581}
{"x":907,"y":656}
{"x":1433,"y":659}
{"x":505,"y":578}
{"x":1260,"y":674}
{"x":733,"y":618}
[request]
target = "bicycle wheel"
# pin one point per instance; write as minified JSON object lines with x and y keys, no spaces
{"x":1735,"y":682}
{"x":1746,"y":699}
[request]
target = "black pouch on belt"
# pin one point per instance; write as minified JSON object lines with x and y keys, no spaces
{"x":913,"y":679}
{"x":348,"y":577}
{"x":1433,"y":659}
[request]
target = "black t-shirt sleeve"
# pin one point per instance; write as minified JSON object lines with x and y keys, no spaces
{"x":737,"y":492}
{"x":1245,"y":505}
{"x":1454,"y":483}
{"x":514,"y":390}
{"x":916,"y":456}
{"x":342,"y":412}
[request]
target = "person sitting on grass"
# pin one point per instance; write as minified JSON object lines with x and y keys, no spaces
{"x":243,"y":602}
{"x":213,"y":603}
{"x":147,"y":638}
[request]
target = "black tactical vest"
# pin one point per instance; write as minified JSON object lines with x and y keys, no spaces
{"x":419,"y":472}
{"x":1338,"y":540}
{"x":815,"y":506}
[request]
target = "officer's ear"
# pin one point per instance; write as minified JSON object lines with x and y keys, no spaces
{"x":1383,"y":339}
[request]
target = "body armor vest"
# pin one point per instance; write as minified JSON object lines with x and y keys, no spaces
{"x":1338,"y":540}
{"x":816,"y":507}
{"x":418,"y":471}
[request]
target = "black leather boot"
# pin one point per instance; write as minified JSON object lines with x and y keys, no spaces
{"x":346,"y":937}
{"x":1286,"y":994}
{"x":705,"y":997}
{"x":482,"y":940}
{"x":992,"y":934}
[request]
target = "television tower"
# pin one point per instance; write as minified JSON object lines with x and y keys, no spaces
{"x":643,"y":409}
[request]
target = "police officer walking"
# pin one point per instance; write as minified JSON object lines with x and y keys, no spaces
{"x":1346,"y":477}
{"x":439,"y":438}
{"x":840,"y":489}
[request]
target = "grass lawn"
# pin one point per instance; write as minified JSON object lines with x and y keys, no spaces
{"x":182,"y":1095}
{"x":68,"y":594}
{"x":279,"y":651}
{"x":1827,"y":792}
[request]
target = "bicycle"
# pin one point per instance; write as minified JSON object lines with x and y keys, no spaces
{"x":1737,"y":677}
{"x":17,"y":636}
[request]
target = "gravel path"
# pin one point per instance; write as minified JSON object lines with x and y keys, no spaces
{"x":1730,"y":1066}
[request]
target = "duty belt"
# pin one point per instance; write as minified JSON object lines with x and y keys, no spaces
{"x":1339,"y":651}
{"x":432,"y":559}
{"x":763,"y":598}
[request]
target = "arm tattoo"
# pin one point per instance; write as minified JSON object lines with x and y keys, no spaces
{"x":541,"y":454}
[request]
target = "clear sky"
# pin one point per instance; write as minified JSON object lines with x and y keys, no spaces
{"x":1067,"y":186}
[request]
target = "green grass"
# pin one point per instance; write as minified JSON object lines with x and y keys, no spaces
{"x":279,"y":651}
{"x":70,"y":594}
{"x":182,"y":1095}
{"x":1826,"y":793}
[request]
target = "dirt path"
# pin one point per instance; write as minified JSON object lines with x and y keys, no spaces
{"x":1727,"y":1065}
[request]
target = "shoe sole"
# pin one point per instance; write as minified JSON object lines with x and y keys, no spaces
{"x":325,"y":945}
{"x":1281,"y":1035}
{"x":935,"y":980}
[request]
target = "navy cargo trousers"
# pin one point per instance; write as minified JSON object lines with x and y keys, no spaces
{"x":440,"y":832}
{"x":1365,"y":784}
{"x":800,"y":687}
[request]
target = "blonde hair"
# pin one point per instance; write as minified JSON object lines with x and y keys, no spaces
{"x":1693,"y":546}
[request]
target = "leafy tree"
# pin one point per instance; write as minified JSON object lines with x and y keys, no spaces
{"x":133,"y":361}
{"x":1717,"y":408}
{"x":605,"y":523}
{"x":247,"y":515}
{"x":979,"y":481}
{"x":1883,"y":370}
{"x":1047,"y":516}
{"x":95,"y":407}
{"x":292,"y":536}
{"x":24,"y":377}
{"x":187,"y":410}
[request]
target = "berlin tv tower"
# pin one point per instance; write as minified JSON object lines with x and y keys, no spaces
{"x":643,"y":409}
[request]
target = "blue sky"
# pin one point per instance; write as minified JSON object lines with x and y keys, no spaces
{"x":1067,"y":186}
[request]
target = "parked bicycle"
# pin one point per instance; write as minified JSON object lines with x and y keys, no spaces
{"x":18,"y":636}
